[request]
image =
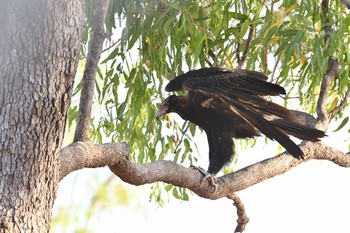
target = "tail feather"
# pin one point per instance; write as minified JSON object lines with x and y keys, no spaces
{"x":266,"y":127}
{"x":300,"y":131}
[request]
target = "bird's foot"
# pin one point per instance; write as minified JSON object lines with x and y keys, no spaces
{"x":207,"y":176}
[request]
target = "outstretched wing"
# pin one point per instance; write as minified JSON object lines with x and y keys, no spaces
{"x":225,"y":82}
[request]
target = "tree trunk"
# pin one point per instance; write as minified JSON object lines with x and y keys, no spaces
{"x":39,"y":52}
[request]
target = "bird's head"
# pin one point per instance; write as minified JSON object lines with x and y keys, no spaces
{"x":168,"y":105}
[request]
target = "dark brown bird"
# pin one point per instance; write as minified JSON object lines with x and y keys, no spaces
{"x":228,"y":104}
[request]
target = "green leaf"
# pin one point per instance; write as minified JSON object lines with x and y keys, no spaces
{"x":282,"y":47}
{"x":72,"y":115}
{"x":171,"y":143}
{"x":130,"y":77}
{"x":192,"y":128}
{"x":265,"y":27}
{"x":299,"y":36}
{"x":176,"y":193}
{"x":238,"y":16}
{"x":318,"y":53}
{"x":120,"y":111}
{"x":185,"y":196}
{"x":342,"y":124}
{"x":288,"y":32}
{"x":269,"y":35}
{"x":289,"y":52}
{"x":111,"y":56}
{"x":168,"y":187}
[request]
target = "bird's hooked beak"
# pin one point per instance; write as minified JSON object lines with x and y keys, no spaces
{"x":162,"y":109}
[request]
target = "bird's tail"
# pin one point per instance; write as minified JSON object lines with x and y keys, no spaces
{"x":297,"y":130}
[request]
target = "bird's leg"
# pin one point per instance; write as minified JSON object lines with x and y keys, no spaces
{"x":207,"y":176}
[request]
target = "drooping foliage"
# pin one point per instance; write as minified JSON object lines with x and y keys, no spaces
{"x":152,"y":41}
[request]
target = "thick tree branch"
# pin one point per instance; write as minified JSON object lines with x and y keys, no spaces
{"x":116,"y":155}
{"x":88,"y":82}
{"x":87,"y":155}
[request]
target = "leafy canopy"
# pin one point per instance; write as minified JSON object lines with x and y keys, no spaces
{"x":155,"y":40}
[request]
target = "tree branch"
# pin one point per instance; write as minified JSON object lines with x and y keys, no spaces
{"x":332,"y":71}
{"x":87,"y":155}
{"x":242,"y":217}
{"x":345,"y":3}
{"x":304,"y":118}
{"x":88,"y":82}
{"x":116,"y":155}
{"x":242,"y":60}
{"x":341,"y":105}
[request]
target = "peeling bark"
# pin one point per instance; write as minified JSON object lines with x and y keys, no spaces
{"x":39,"y":47}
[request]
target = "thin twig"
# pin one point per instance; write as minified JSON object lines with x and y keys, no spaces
{"x":212,"y":55}
{"x":275,"y":68}
{"x":242,"y":216}
{"x":111,"y":46}
{"x":183,"y":132}
{"x":341,"y":105}
{"x":265,"y":59}
{"x":238,"y":50}
{"x":247,"y":46}
{"x":208,"y":62}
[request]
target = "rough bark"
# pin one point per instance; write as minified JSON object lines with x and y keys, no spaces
{"x":39,"y":51}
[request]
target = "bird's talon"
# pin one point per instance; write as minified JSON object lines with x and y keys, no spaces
{"x":201,"y":170}
{"x":207,"y":176}
{"x":212,"y":181}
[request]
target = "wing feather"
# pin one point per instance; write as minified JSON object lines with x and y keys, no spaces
{"x":266,"y":127}
{"x":225,"y":82}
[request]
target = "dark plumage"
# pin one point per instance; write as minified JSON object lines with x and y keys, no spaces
{"x":227,"y":104}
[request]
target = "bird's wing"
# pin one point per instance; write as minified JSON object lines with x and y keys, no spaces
{"x":256,"y":119}
{"x":221,"y":150}
{"x":241,"y":90}
{"x":225,"y":82}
